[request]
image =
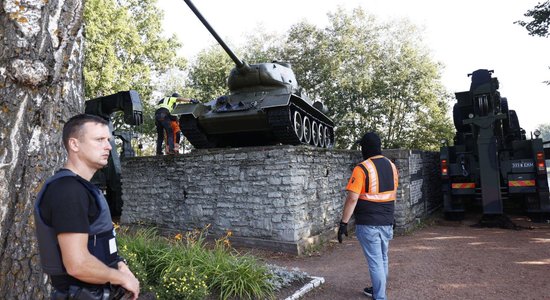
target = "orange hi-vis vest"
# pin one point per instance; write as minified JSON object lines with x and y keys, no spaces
{"x":372,"y":181}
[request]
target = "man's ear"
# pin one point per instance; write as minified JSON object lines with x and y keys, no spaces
{"x":74,"y":144}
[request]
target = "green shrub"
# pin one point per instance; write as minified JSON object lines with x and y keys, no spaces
{"x":178,"y":284}
{"x":141,"y":249}
{"x":186,"y":267}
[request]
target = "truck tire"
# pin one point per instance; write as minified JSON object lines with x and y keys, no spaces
{"x":515,"y":130}
{"x":457,"y":118}
{"x":504,"y":110}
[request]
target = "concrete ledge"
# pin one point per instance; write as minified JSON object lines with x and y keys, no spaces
{"x":315,"y":282}
{"x":296,"y":248}
{"x":271,"y":245}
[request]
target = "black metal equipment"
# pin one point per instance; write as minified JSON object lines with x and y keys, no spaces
{"x":492,"y":163}
{"x":108,"y":178}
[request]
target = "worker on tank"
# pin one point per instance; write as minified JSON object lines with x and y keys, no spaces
{"x":175,"y":124}
{"x":163,"y":118}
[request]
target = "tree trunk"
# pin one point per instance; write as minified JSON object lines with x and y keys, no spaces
{"x":40,"y":87}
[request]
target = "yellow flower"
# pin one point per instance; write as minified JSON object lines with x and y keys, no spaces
{"x":178,"y":237}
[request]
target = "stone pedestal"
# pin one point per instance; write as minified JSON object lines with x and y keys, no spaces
{"x":281,"y":198}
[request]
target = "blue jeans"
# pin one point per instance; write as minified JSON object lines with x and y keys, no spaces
{"x":375,"y":241}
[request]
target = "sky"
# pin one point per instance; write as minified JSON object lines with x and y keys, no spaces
{"x":463,"y":35}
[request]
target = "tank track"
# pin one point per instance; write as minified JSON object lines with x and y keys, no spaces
{"x":191,"y":131}
{"x":280,"y":120}
{"x":281,"y":123}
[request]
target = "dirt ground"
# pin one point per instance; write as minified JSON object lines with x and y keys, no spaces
{"x":442,"y":260}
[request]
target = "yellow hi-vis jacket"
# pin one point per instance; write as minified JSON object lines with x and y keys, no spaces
{"x":168,"y":103}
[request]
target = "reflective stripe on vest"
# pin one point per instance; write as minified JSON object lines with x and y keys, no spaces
{"x":372,"y":192}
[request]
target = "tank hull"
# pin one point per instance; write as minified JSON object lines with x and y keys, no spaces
{"x":261,"y":119}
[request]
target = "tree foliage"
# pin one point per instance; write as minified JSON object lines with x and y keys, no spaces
{"x":545,"y":131}
{"x":372,"y":76}
{"x":125,"y":49}
{"x":209,"y":70}
{"x":540,"y":22}
{"x":208,"y":74}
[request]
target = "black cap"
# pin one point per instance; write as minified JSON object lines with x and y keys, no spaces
{"x":175,"y":95}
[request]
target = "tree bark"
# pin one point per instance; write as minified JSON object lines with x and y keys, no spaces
{"x":41,"y":56}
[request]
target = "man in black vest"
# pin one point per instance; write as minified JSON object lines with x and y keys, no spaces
{"x":75,"y":232}
{"x":372,"y":191}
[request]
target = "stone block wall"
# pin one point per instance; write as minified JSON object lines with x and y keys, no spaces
{"x":284,"y":198}
{"x":419,"y":192}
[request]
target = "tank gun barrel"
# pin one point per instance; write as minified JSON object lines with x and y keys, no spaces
{"x":234,"y":57}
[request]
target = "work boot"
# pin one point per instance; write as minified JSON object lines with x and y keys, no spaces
{"x":368,"y":291}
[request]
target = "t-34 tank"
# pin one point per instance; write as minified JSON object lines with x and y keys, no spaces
{"x":265,"y":106}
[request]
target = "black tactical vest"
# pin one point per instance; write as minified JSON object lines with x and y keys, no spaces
{"x":101,"y":242}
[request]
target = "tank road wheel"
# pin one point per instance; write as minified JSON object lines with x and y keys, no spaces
{"x":328,"y":142}
{"x":321,"y":136}
{"x":307,"y":130}
{"x":297,"y":124}
{"x":314,"y":133}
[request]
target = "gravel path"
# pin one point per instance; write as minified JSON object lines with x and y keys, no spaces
{"x":445,"y":260}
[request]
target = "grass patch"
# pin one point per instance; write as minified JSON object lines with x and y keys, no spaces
{"x":186,"y":267}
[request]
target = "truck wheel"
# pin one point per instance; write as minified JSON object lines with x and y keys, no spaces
{"x":504,"y":110}
{"x":454,"y":215}
{"x":457,"y":118}
{"x":539,"y":217}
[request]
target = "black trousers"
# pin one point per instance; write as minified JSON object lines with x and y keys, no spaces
{"x":162,"y":122}
{"x":82,"y":293}
{"x":112,"y":292}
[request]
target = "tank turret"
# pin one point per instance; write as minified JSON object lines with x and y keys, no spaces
{"x":265,"y":106}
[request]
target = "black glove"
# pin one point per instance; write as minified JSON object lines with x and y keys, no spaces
{"x":194,"y":101}
{"x":343,"y":229}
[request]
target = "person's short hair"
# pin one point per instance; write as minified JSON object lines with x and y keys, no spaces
{"x":74,"y":125}
{"x":176,"y":95}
